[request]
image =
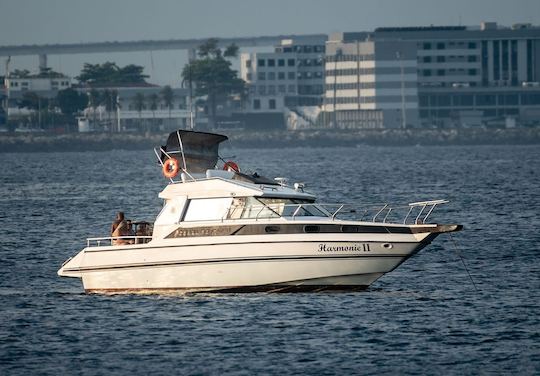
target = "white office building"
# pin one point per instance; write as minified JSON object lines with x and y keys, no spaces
{"x":370,"y":84}
{"x":290,"y":76}
{"x":470,"y":75}
{"x":40,"y":85}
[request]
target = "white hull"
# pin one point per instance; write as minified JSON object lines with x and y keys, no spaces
{"x":251,"y":263}
{"x":226,"y":230}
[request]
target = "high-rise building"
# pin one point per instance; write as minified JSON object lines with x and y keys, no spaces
{"x":469,"y":75}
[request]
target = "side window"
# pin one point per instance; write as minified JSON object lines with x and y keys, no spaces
{"x":249,"y":207}
{"x":171,"y":212}
{"x":209,"y":209}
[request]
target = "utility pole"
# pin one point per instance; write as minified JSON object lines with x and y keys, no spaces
{"x":118,"y":123}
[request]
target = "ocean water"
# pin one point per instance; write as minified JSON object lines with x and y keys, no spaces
{"x":426,"y":317}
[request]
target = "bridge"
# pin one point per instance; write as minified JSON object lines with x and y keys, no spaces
{"x":191,"y":45}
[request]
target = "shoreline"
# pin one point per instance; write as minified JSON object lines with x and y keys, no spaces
{"x":70,"y":142}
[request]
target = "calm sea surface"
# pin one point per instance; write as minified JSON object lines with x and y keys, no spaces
{"x":424,"y":318}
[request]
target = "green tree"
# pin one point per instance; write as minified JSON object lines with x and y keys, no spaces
{"x":167,"y":95}
{"x":30,"y":100}
{"x":48,"y":73}
{"x":108,"y":99}
{"x":231,"y":51}
{"x":110,"y":73}
{"x":38,"y":104}
{"x":138,"y":102}
{"x":131,"y":74}
{"x":17,"y":73}
{"x":213,"y":75}
{"x":70,"y":101}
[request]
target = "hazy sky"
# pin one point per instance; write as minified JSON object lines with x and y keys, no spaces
{"x":67,"y":21}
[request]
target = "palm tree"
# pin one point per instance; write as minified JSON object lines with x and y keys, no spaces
{"x":138,"y":102}
{"x":167,"y":94}
{"x":94,"y":100}
{"x":153,"y":101}
{"x":107,"y":101}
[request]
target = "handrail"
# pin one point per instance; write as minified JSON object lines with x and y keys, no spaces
{"x":423,"y":205}
{"x":379,"y":212}
{"x":383,"y":212}
{"x":111,"y":239}
{"x":420,"y":218}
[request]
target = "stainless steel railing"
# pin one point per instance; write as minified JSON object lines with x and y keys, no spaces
{"x":117,"y":240}
{"x":415,"y":213}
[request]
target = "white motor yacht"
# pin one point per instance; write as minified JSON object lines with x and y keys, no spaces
{"x":224,"y":230}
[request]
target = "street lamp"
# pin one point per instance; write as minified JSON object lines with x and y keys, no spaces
{"x":403,"y":113}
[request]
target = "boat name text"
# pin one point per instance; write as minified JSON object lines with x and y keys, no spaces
{"x":357,"y":247}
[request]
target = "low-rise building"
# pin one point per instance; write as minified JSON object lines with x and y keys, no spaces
{"x":136,"y":107}
{"x":290,"y":76}
{"x":44,"y":85}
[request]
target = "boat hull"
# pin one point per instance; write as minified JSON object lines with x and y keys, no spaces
{"x":280,"y":264}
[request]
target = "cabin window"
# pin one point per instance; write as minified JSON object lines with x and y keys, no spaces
{"x":171,"y":212}
{"x":209,"y":209}
{"x":251,"y":207}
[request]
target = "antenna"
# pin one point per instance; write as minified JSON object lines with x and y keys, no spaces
{"x":191,"y":125}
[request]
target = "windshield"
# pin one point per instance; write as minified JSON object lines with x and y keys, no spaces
{"x":251,"y":207}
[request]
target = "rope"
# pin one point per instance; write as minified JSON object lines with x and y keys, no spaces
{"x":462,"y":261}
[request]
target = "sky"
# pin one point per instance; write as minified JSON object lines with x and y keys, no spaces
{"x":72,"y":21}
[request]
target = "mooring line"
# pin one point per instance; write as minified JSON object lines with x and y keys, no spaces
{"x":463,"y":261}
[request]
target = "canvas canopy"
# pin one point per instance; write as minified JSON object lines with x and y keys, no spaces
{"x":199,"y":150}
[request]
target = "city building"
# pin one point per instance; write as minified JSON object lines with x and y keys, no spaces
{"x":136,"y":107}
{"x":45,"y":84}
{"x":118,"y":107}
{"x":370,"y":84}
{"x":469,"y":76}
{"x":290,"y":76}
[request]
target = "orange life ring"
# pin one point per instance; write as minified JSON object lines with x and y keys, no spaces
{"x":231,"y":166}
{"x":171,"y":168}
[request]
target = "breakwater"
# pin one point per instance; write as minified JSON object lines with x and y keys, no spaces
{"x":44,"y":142}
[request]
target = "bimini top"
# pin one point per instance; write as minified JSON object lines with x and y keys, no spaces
{"x":195,"y":151}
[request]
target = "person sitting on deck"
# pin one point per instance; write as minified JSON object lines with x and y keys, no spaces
{"x":119,"y":229}
{"x":142,"y":230}
{"x":129,"y":228}
{"x":119,"y":218}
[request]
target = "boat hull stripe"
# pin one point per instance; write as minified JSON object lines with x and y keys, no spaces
{"x":131,"y":247}
{"x":233,"y":260}
{"x":281,"y":228}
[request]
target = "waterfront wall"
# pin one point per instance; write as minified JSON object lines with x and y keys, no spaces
{"x":72,"y":142}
